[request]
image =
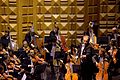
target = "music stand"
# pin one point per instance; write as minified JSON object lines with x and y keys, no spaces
{"x":119,"y":41}
{"x":58,"y":55}
{"x":76,"y":68}
{"x":46,"y":39}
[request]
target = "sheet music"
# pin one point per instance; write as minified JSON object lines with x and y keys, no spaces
{"x":32,"y":69}
{"x":24,"y":77}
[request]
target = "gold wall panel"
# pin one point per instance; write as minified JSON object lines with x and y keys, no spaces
{"x":72,"y":17}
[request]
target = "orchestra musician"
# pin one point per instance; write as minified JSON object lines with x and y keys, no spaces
{"x":85,"y":57}
{"x":30,"y":37}
{"x":114,"y":35}
{"x":114,"y":56}
{"x":2,"y":59}
{"x":54,"y":44}
{"x":5,"y":39}
{"x":25,"y":59}
{"x":102,"y":62}
{"x":92,"y":35}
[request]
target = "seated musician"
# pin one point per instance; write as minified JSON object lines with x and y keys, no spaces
{"x":114,"y":55}
{"x":5,"y":39}
{"x":114,"y":35}
{"x":102,"y":62}
{"x":70,"y":75}
{"x":30,"y":37}
{"x":25,"y":58}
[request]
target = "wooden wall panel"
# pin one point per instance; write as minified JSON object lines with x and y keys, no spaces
{"x":72,"y":17}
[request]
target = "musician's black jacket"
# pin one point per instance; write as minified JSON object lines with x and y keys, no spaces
{"x":86,"y":66}
{"x":28,"y":36}
{"x":25,"y":60}
{"x":5,"y":41}
{"x":52,"y":38}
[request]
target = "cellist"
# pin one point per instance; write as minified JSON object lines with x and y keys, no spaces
{"x":102,"y":62}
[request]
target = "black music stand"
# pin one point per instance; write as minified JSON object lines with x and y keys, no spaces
{"x":46,"y":39}
{"x":58,"y":55}
{"x":76,"y":68}
{"x":119,"y":41}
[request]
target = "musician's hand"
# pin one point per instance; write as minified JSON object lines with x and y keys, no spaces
{"x":33,"y":45}
{"x":96,"y":63}
{"x":31,"y":66}
{"x":36,"y":36}
{"x":83,"y":56}
{"x":110,"y":51}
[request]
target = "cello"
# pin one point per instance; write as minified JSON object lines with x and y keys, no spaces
{"x":102,"y":65}
{"x":70,"y":75}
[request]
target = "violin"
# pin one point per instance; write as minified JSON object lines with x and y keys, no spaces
{"x":114,"y":55}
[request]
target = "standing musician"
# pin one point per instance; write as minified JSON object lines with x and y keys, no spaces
{"x":102,"y":62}
{"x":90,"y":33}
{"x":55,"y":44}
{"x":85,"y":58}
{"x":30,"y":37}
{"x":5,"y":39}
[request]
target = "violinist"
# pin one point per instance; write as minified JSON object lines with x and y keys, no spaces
{"x":3,"y":63}
{"x":30,"y":37}
{"x":25,"y":59}
{"x":114,"y":55}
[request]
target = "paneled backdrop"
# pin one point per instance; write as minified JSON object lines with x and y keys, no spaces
{"x":72,"y":17}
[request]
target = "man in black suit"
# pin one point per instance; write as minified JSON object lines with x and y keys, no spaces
{"x":30,"y":37}
{"x":5,"y":39}
{"x":85,"y":54}
{"x":114,"y":35}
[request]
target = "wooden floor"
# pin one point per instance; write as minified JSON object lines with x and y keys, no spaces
{"x":116,"y":77}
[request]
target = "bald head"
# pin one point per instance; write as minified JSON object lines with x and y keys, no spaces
{"x":85,"y":39}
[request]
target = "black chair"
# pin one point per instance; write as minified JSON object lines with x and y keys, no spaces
{"x":103,"y":40}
